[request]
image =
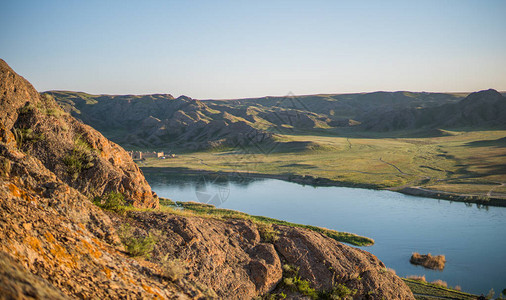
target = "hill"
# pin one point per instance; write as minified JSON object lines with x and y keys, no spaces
{"x":480,"y":110}
{"x":162,"y":121}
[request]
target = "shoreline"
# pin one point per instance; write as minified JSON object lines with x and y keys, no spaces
{"x":319,"y":181}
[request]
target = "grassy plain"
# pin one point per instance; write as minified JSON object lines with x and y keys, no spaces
{"x":470,"y":163}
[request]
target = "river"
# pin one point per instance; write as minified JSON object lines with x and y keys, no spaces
{"x":472,"y":237}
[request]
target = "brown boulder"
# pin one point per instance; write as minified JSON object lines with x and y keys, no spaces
{"x":327,"y":263}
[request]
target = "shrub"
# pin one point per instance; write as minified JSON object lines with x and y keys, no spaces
{"x":339,"y":291}
{"x":112,"y":201}
{"x":80,"y":158}
{"x":136,"y":246}
{"x":440,"y":282}
{"x":293,"y":281}
{"x":388,"y":270}
{"x":28,"y":108}
{"x":173,"y":268}
{"x":267,"y":233}
{"x":26,"y":135}
{"x":458,"y":288}
{"x":490,"y":294}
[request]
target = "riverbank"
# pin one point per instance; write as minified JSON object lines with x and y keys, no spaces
{"x":318,"y":181}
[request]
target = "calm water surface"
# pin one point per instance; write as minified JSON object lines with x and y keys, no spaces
{"x":472,"y":238}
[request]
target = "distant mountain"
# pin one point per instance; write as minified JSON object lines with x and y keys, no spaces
{"x":484,"y":109}
{"x":162,"y":121}
{"x":154,"y":121}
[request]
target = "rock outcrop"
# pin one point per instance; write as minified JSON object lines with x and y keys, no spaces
{"x":75,"y":152}
{"x":231,"y":258}
{"x":56,"y":244}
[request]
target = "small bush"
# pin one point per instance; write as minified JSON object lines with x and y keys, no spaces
{"x":458,"y":288}
{"x":340,"y":291}
{"x":173,"y":269}
{"x":293,"y":281}
{"x":137,"y":246}
{"x":417,"y":277}
{"x":112,"y":201}
{"x":79,"y":159}
{"x":440,"y":282}
{"x":267,"y":233}
{"x":23,"y":136}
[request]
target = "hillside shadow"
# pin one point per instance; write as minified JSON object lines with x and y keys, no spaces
{"x":498,"y":143}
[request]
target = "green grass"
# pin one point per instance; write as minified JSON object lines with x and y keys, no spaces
{"x":136,"y":245}
{"x":80,"y":158}
{"x":425,"y":288}
{"x":111,"y":201}
{"x":265,"y":223}
{"x":431,"y":162}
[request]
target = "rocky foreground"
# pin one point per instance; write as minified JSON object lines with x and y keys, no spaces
{"x":55,"y":243}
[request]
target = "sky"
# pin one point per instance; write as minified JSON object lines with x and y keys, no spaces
{"x":238,"y":49}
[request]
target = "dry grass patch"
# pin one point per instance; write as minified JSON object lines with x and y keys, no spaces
{"x":440,"y":282}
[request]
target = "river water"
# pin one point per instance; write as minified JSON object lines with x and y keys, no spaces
{"x":473,"y":238}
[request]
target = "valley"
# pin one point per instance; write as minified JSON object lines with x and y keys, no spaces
{"x":448,"y":146}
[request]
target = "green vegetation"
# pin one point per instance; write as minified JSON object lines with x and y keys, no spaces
{"x":166,"y":202}
{"x":294,"y":282}
{"x":137,"y":245}
{"x":340,"y":291}
{"x":429,"y":291}
{"x":267,"y":233}
{"x":24,"y":136}
{"x":111,"y":201}
{"x":80,"y":158}
{"x":265,"y":223}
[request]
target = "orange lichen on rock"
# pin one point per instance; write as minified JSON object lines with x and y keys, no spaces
{"x":59,"y":253}
{"x":92,"y":250}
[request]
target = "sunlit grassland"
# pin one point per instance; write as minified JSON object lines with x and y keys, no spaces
{"x":464,"y":162}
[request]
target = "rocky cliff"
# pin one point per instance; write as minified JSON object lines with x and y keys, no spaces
{"x":79,"y":155}
{"x":56,"y":244}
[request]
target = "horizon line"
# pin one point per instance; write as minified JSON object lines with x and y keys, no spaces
{"x":289,"y":94}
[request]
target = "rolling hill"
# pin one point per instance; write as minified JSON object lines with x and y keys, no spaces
{"x":160,"y":121}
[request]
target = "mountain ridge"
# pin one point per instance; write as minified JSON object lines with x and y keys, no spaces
{"x":157,"y":122}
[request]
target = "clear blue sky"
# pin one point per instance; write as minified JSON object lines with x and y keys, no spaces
{"x":232,"y":49}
